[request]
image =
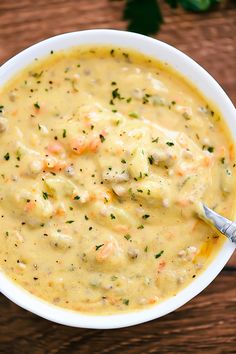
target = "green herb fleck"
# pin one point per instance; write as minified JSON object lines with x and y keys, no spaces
{"x":133,"y":115}
{"x":145,"y":216}
{"x":112,"y":216}
{"x":99,"y":246}
{"x":125,"y":302}
{"x":155,"y":140}
{"x":140,"y":227}
{"x":169,"y":143}
{"x":159,"y":254}
{"x":7,"y":156}
{"x":151,"y":159}
{"x":70,"y":221}
{"x":210,"y":149}
{"x":64,"y":133}
{"x":76,"y":197}
{"x":102,"y":138}
{"x":127,"y":237}
{"x":45,"y":195}
{"x":36,"y":105}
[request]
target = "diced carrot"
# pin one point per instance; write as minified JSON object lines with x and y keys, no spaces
{"x":78,"y":145}
{"x":105,"y":251}
{"x":221,"y":151}
{"x":152,"y":300}
{"x":14,"y":113}
{"x":60,"y":212}
{"x":54,"y":164}
{"x":60,"y":165}
{"x":30,"y":206}
{"x":161,"y":265}
{"x":55,"y":148}
{"x":231,"y":152}
{"x":94,"y":144}
{"x":207,"y":161}
{"x":183,"y":202}
{"x":121,"y":228}
{"x":182,"y":141}
{"x":194,"y":226}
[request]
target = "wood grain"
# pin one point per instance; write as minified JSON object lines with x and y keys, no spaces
{"x":206,"y":324}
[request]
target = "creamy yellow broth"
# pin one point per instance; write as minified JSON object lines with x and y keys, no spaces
{"x":104,"y":157}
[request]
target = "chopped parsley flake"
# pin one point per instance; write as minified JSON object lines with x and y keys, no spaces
{"x":133,"y":115}
{"x":36,"y":105}
{"x":145,"y":216}
{"x":112,"y":216}
{"x":210,"y":149}
{"x":126,"y":302}
{"x":102,"y":138}
{"x":7,"y":156}
{"x":45,"y":195}
{"x":140,"y":227}
{"x":151,"y":159}
{"x":70,"y":221}
{"x":155,"y":140}
{"x":76,"y":197}
{"x":159,"y":254}
{"x":127,"y":237}
{"x":169,"y":143}
{"x":99,"y":246}
{"x":64,"y":133}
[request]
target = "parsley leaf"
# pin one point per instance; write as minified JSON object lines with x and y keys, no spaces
{"x":159,"y":254}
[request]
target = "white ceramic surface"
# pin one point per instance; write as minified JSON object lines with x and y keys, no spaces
{"x":210,"y":89}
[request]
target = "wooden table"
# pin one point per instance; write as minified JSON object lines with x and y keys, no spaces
{"x":207,"y":323}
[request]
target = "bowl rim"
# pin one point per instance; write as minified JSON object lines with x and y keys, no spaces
{"x":138,"y":42}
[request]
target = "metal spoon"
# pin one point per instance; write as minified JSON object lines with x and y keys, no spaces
{"x":225,"y":226}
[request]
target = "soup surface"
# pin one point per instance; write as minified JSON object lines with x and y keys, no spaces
{"x":105,"y":155}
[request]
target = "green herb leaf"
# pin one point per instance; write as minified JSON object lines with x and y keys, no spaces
{"x":125,"y":302}
{"x":76,"y":197}
{"x":145,"y":216}
{"x":151,"y":159}
{"x":45,"y":195}
{"x":127,"y":237}
{"x":210,"y":149}
{"x":64,"y":133}
{"x":36,"y":105}
{"x":144,"y":17}
{"x":133,"y":115}
{"x":7,"y":156}
{"x":155,"y":140}
{"x":102,"y":138}
{"x":99,"y":246}
{"x":169,"y":143}
{"x":159,"y":254}
{"x":70,"y":221}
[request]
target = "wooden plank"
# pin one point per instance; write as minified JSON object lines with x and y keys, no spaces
{"x":207,"y":323}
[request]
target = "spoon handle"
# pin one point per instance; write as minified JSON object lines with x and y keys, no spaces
{"x":225,"y":226}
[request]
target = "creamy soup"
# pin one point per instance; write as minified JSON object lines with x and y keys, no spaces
{"x":105,"y":156}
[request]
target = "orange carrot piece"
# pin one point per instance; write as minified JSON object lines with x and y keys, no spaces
{"x":78,"y":145}
{"x":231,"y":152}
{"x":105,"y":251}
{"x":30,"y":206}
{"x":55,"y":148}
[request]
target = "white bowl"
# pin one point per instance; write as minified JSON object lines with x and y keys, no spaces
{"x":208,"y":86}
